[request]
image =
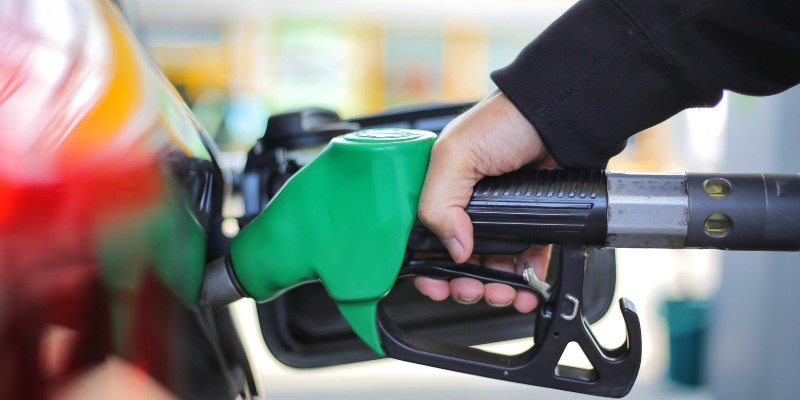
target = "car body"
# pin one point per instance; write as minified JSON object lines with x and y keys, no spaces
{"x":110,"y":207}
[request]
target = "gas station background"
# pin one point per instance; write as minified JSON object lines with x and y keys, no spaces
{"x":236,"y":62}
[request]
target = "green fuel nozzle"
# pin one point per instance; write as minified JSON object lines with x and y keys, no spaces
{"x":343,"y":219}
{"x":348,"y":218}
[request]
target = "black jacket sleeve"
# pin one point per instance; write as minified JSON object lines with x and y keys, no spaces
{"x":608,"y":69}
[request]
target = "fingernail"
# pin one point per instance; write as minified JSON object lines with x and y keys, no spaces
{"x":467,"y":302}
{"x":506,"y":304}
{"x":453,"y":246}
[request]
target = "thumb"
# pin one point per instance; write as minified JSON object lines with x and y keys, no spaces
{"x":445,"y":194}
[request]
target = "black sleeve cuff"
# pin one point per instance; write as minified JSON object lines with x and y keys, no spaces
{"x":590,"y":81}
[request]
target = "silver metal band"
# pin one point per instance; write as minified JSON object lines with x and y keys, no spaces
{"x":647,"y":210}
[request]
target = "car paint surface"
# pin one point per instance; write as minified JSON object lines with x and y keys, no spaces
{"x":109,"y":197}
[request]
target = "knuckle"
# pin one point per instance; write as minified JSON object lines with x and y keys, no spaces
{"x":427,"y":214}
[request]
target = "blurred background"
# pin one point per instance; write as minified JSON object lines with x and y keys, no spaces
{"x":715,"y":326}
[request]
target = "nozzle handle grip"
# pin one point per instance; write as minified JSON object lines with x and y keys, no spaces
{"x":512,"y":211}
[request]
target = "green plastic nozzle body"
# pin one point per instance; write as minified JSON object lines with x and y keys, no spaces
{"x":343,"y":219}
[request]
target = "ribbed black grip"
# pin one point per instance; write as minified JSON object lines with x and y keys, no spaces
{"x":511,"y":211}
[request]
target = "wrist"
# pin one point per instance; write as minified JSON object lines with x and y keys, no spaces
{"x":540,"y":156}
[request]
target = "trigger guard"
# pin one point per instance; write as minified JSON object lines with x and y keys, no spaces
{"x":613,"y":372}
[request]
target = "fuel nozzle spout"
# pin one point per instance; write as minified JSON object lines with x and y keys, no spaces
{"x":361,"y":316}
{"x":343,"y":219}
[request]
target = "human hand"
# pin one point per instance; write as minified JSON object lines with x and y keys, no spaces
{"x":490,"y":139}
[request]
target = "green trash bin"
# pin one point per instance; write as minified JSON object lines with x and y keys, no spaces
{"x":687,"y":322}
